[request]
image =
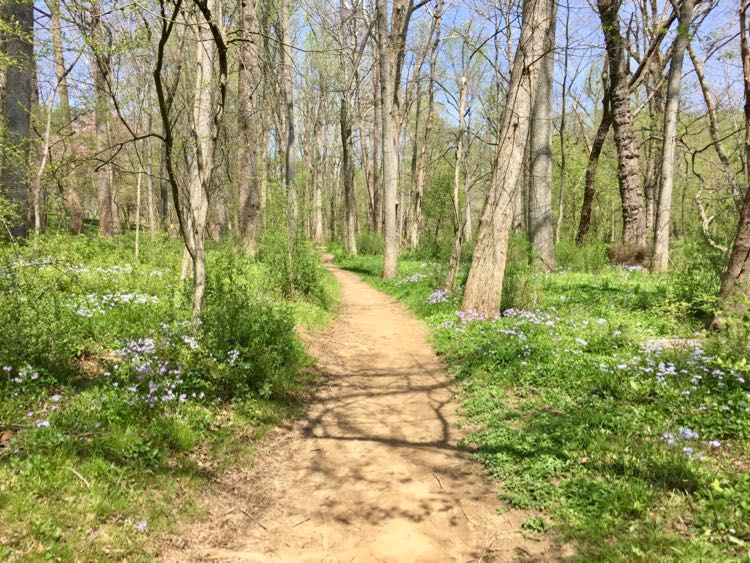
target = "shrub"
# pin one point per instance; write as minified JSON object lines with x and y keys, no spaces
{"x":370,"y":243}
{"x":522,"y":287}
{"x":590,"y":258}
{"x":695,"y":286}
{"x":249,"y":331}
{"x":293,"y":264}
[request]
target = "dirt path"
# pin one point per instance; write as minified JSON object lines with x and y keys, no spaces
{"x":372,"y":471}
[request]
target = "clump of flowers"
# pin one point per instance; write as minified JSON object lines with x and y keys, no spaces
{"x":94,"y":304}
{"x":438,"y":296}
{"x":414,"y":278}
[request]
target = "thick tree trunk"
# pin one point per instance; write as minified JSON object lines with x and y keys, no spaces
{"x":391,"y":43}
{"x":248,"y":196}
{"x":201,"y":165}
{"x":540,"y":144}
{"x":735,"y":284}
{"x":663,"y":222}
{"x":628,"y":170}
{"x":485,"y":283}
{"x":347,"y":175}
{"x":19,"y":49}
{"x":390,"y":156}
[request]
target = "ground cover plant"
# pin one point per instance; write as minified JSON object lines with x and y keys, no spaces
{"x":584,"y":407}
{"x":116,"y":408}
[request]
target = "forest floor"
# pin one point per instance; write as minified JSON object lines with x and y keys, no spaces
{"x":372,"y":470}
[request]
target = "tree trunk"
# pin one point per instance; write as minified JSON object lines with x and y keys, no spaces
{"x":628,"y":170}
{"x":247,"y":107}
{"x":389,"y":145}
{"x":416,"y":220}
{"x":606,"y":123}
{"x":71,"y":199}
{"x":100,"y":71}
{"x":391,"y":43}
{"x":290,"y":148}
{"x":540,"y":141}
{"x":201,"y":164}
{"x":377,"y":148}
{"x":735,"y":284}
{"x":485,"y":283}
{"x":663,"y":222}
{"x":458,"y":215}
{"x":19,"y":49}
{"x":347,"y":175}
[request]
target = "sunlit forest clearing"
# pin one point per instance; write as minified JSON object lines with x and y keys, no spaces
{"x":388,"y":280}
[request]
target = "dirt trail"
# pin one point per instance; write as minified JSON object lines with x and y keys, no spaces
{"x":372,"y":471}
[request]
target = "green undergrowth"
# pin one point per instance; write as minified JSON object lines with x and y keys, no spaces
{"x":115,"y":409}
{"x":631,"y":449}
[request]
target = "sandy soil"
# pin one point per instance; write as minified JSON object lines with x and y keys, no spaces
{"x":372,"y":472}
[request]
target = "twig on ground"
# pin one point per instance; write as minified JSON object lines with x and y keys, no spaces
{"x":246,"y":513}
{"x":301,"y":522}
{"x":438,"y":480}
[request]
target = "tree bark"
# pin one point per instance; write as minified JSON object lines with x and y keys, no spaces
{"x":663,"y":222}
{"x":628,"y":170}
{"x":290,"y":148}
{"x":540,"y":145}
{"x":735,"y":285}
{"x":100,"y":71}
{"x":391,"y":43}
{"x":19,"y":48}
{"x":485,"y":283}
{"x":247,"y":112}
{"x":416,"y":221}
{"x":71,"y":198}
{"x":347,"y":175}
{"x":458,"y":214}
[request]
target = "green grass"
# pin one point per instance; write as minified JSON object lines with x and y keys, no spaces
{"x":576,"y":418}
{"x":94,"y":464}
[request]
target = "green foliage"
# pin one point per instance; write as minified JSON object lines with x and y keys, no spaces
{"x":251,"y":329}
{"x":117,"y":407}
{"x":292,"y":260}
{"x":631,"y":449}
{"x":370,"y":243}
{"x":521,"y":287}
{"x":592,"y":257}
{"x":694,"y":283}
